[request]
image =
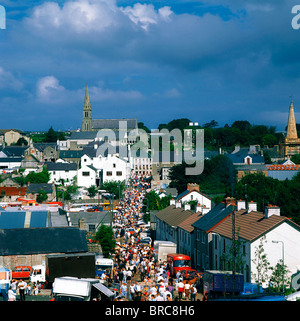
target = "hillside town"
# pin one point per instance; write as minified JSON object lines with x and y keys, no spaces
{"x":160,"y":236}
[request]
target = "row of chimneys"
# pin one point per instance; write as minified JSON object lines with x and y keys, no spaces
{"x":252,"y":206}
{"x":187,"y":206}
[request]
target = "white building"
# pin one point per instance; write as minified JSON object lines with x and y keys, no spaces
{"x":109,"y":168}
{"x":140,"y":164}
{"x":193,"y":194}
{"x":61,"y":171}
{"x":278,"y":235}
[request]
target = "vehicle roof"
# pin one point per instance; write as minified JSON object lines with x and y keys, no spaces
{"x":183,"y":256}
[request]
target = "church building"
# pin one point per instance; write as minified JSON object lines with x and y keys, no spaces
{"x":89,"y":124}
{"x":291,"y":144}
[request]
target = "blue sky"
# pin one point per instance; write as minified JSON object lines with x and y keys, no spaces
{"x":155,"y":61}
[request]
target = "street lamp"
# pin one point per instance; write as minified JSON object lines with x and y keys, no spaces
{"x":282,"y":262}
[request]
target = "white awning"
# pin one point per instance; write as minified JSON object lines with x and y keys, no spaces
{"x":102,"y":288}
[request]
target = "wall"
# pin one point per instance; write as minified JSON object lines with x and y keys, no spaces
{"x":291,"y":239}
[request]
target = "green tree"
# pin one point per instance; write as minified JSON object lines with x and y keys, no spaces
{"x":51,"y":136}
{"x":211,"y":124}
{"x":218,"y":176}
{"x":114,"y":187}
{"x":267,"y":158}
{"x":153,"y":202}
{"x":269,"y":140}
{"x":21,"y":142}
{"x":105,"y":236}
{"x":92,"y":191}
{"x":296,"y":159}
{"x":180,"y":123}
{"x":267,"y":190}
{"x":144,"y":127}
{"x":42,"y":196}
{"x":241,"y":125}
{"x":262,"y":264}
{"x":42,"y":177}
{"x":279,"y":275}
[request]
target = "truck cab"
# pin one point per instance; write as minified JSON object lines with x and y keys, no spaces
{"x":38,"y":274}
{"x":21,"y":272}
{"x":178,"y":262}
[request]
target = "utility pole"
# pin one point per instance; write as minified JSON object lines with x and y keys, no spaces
{"x":233,"y":249}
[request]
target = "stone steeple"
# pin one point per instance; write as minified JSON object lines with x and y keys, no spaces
{"x":291,"y":144}
{"x":87,"y":124}
{"x":291,"y":128}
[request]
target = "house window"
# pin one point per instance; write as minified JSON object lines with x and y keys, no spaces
{"x":85,"y":173}
{"x":92,"y":228}
{"x":109,"y":173}
{"x":119,"y":173}
{"x":114,"y":165}
{"x":216,"y":242}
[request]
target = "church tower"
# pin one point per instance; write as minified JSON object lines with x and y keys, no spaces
{"x":291,"y":144}
{"x":87,"y":124}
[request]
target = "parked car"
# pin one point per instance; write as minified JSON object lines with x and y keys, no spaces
{"x":131,"y":230}
{"x":21,"y":272}
{"x":146,"y":241}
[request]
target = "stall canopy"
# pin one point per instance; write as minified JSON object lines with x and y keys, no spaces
{"x":103,"y":289}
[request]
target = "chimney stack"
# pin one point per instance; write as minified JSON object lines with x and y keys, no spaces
{"x":272,"y":210}
{"x":178,"y":204}
{"x":230,"y":201}
{"x":193,"y":187}
{"x":187,"y":207}
{"x":241,"y":205}
{"x":172,"y":201}
{"x":81,"y":223}
{"x":252,"y":206}
{"x":198,"y":208}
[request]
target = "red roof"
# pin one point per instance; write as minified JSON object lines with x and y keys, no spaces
{"x":13,"y":191}
{"x":283,"y":167}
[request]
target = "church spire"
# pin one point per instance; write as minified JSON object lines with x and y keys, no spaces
{"x":87,"y":124}
{"x":291,"y":128}
{"x":86,"y":97}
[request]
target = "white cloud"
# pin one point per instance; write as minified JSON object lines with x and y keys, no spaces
{"x":48,"y":88}
{"x":9,"y":81}
{"x":79,"y":16}
{"x":145,"y":15}
{"x":100,"y":94}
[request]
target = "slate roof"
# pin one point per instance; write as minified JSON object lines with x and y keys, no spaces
{"x":43,"y":146}
{"x":83,"y":135}
{"x":113,"y":123}
{"x":10,"y":159}
{"x":186,"y":192}
{"x":173,"y":216}
{"x":187,"y":223}
{"x":22,"y":219}
{"x":61,"y":166}
{"x":238,"y":158}
{"x":14,"y":150}
{"x":252,"y":225}
{"x":36,"y":187}
{"x":94,"y":218}
{"x":70,"y":153}
{"x":26,"y":241}
{"x":213,"y":217}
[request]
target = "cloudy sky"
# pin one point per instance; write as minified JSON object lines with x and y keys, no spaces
{"x":155,"y":61}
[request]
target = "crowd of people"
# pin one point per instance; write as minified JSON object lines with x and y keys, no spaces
{"x":21,"y":287}
{"x":139,"y":275}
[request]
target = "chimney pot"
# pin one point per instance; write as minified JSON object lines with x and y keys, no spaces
{"x":187,"y":207}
